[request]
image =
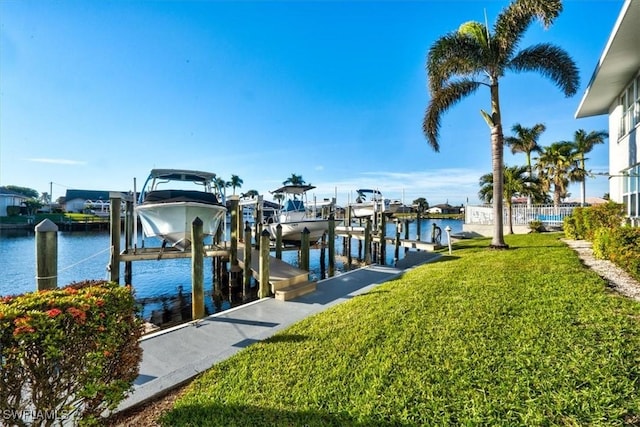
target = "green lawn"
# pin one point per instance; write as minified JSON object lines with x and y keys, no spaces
{"x":526,"y":336}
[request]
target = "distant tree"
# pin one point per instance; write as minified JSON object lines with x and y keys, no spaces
{"x":517,"y":182}
{"x":222,"y":185}
{"x":294,"y":180}
{"x":279,"y":197}
{"x":606,"y":196}
{"x":557,"y":166}
{"x":421,"y":205}
{"x":236,"y":182}
{"x":32,"y":205}
{"x":25,"y":191}
{"x":461,"y":62}
{"x":251,"y":193}
{"x":583,"y":143}
{"x":525,"y":141}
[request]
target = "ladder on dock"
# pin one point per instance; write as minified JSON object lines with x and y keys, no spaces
{"x":286,"y":281}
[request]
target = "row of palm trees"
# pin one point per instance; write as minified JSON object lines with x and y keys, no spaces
{"x":556,"y":166}
{"x":236,"y":182}
{"x":474,"y":57}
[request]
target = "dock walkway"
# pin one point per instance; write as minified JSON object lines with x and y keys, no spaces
{"x":174,"y":356}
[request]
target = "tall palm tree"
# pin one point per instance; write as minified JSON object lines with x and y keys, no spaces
{"x":583,"y":143}
{"x":236,"y":182}
{"x":517,"y":182}
{"x":294,"y":180}
{"x":461,"y":62}
{"x":222,"y":185}
{"x":525,"y":140}
{"x":557,"y":166}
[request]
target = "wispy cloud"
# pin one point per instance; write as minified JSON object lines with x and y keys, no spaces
{"x":58,"y":161}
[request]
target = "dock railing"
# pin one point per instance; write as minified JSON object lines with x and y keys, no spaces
{"x":549,"y":215}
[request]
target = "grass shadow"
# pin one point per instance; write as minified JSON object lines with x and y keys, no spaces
{"x":247,"y":415}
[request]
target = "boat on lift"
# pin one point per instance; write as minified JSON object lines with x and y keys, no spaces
{"x":171,"y":199}
{"x":368,"y":202}
{"x":294,"y":216}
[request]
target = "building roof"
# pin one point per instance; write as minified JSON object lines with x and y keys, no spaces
{"x":619,"y":63}
{"x":4,"y":191}
{"x":87,"y":195}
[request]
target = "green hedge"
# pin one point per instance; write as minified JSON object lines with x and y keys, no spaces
{"x":69,"y":353}
{"x":603,"y":225}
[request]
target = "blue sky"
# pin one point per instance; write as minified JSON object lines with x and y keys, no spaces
{"x":95,"y":94}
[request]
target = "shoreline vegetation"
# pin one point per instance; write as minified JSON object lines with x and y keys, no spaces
{"x":526,"y":336}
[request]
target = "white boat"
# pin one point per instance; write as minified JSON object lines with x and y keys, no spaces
{"x":172,"y":198}
{"x":294,"y":216}
{"x":368,"y":203}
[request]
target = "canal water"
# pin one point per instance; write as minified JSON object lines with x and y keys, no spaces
{"x":85,"y":256}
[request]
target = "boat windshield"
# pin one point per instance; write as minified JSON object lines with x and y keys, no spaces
{"x":293,"y":206}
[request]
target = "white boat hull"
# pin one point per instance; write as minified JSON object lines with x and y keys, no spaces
{"x":173,"y":221}
{"x":292,"y":231}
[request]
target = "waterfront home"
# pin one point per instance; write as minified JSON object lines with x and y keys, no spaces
{"x":9,"y":199}
{"x":444,"y":208}
{"x":77,"y":200}
{"x":614,"y":89}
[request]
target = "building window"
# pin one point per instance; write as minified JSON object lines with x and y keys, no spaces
{"x":629,"y":103}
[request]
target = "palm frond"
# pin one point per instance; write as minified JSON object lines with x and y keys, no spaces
{"x":441,"y":100}
{"x":550,"y":61}
{"x":455,"y":54}
{"x":512,"y":23}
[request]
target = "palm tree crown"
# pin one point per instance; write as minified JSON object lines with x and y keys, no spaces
{"x":526,"y":140}
{"x":461,"y":62}
{"x":236,"y":182}
{"x":583,"y":143}
{"x":294,"y":180}
{"x":557,"y":166}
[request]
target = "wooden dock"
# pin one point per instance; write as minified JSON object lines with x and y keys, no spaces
{"x":287,"y":282}
{"x":357,"y":233}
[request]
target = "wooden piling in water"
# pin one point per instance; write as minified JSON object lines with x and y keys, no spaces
{"x":332,"y":245}
{"x":367,"y":242}
{"x":46,"y":255}
{"x":197,"y":270}
{"x":264,"y":289}
{"x":304,"y":249}
{"x":247,"y":262}
{"x":278,"y":241}
{"x":396,"y":252}
{"x":383,"y":239}
{"x":114,"y":201}
{"x":233,"y":256}
{"x":128,"y":238}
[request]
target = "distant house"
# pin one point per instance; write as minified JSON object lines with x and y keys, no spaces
{"x":445,"y":208}
{"x":614,"y":89}
{"x":10,"y":198}
{"x":76,"y":201}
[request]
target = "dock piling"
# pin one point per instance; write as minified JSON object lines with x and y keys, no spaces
{"x":197,"y":270}
{"x":115,"y":201}
{"x":46,"y":255}
{"x":264,"y":289}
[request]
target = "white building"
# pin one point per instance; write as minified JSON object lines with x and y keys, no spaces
{"x":614,"y":89}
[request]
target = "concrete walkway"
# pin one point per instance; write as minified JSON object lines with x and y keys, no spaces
{"x":176,"y":355}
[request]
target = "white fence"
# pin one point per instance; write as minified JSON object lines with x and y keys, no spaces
{"x":550,"y":216}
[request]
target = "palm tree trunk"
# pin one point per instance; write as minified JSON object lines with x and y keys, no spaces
{"x":497,"y":163}
{"x":510,"y":210}
{"x":583,"y":184}
{"x":529,"y":171}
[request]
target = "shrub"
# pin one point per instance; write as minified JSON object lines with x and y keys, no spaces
{"x":624,"y":250}
{"x":602,"y":243}
{"x":607,"y":215}
{"x":535,"y":226}
{"x":569,"y":227}
{"x":71,"y":352}
{"x":13,"y":210}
